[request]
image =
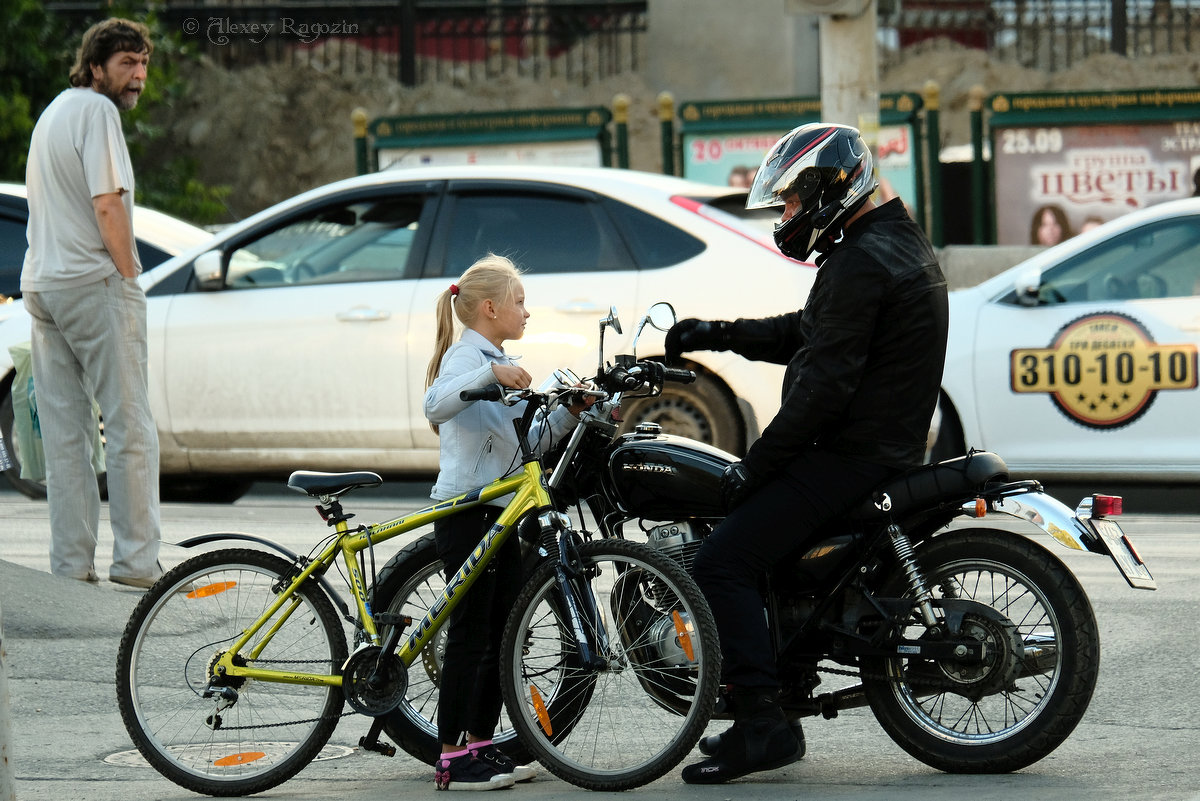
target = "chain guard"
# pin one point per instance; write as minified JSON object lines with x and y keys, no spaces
{"x":370,"y":692}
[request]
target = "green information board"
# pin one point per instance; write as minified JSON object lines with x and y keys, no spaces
{"x":1066,"y":160}
{"x":558,"y":136}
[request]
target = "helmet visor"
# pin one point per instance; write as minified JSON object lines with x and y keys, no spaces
{"x":782,"y":169}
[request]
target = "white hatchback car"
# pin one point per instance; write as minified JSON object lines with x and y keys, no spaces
{"x":1080,"y":363}
{"x":300,"y":337}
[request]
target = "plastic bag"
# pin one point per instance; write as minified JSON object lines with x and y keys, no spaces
{"x":27,"y":428}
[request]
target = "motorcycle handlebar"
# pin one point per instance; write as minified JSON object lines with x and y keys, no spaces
{"x":634,"y":378}
{"x":678,"y":375}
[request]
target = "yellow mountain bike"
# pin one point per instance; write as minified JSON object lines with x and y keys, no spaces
{"x":234,"y":669}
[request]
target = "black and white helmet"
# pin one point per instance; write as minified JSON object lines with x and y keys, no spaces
{"x":829,"y":169}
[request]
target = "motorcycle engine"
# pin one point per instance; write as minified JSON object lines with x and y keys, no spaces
{"x":680,"y":541}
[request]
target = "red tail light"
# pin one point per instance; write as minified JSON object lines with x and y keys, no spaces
{"x":1106,"y":505}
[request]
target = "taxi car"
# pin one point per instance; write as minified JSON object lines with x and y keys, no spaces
{"x":300,"y":337}
{"x":1080,"y":362}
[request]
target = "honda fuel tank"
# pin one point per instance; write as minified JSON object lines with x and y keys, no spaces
{"x":663,"y":477}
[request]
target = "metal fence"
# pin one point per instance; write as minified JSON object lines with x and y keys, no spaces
{"x":460,"y":41}
{"x":416,"y":41}
{"x":1052,"y":34}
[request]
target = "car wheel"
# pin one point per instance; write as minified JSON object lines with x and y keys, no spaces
{"x":701,"y":411}
{"x":203,"y":489}
{"x":31,"y":489}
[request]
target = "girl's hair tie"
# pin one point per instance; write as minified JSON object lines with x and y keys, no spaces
{"x":454,"y":290}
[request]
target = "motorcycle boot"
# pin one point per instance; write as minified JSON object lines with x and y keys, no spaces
{"x":761,"y":738}
{"x":711,"y":744}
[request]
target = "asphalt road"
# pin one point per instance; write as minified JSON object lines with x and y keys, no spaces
{"x":1140,"y":738}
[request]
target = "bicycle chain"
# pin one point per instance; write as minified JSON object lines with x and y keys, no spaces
{"x":335,"y":716}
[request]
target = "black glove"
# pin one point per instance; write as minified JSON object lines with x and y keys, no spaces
{"x":693,"y":334}
{"x":737,"y":484}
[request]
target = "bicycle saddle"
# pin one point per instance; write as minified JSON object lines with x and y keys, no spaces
{"x":331,"y":484}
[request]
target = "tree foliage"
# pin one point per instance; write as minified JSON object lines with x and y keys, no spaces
{"x":33,"y":69}
{"x":34,"y":64}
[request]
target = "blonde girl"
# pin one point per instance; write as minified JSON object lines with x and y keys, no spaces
{"x":478,"y":445}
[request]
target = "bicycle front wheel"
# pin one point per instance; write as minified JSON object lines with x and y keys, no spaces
{"x":647,"y":693}
{"x":248,"y":735}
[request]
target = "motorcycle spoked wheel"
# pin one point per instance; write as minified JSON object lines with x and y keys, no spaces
{"x":958,"y":718}
{"x":408,"y":585}
{"x":651,"y":637}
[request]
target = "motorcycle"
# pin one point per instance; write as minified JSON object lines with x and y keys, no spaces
{"x":975,"y":647}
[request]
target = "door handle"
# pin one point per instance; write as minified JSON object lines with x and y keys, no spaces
{"x":362,"y":314}
{"x":578,"y":307}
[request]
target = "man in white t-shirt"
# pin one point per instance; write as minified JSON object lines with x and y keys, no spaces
{"x":80,"y":286}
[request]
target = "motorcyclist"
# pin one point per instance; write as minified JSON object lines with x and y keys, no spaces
{"x":864,"y":363}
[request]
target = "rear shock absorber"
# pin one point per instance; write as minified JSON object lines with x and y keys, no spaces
{"x":907,"y":558}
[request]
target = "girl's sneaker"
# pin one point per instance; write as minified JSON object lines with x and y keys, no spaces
{"x":460,"y":770}
{"x":489,"y":754}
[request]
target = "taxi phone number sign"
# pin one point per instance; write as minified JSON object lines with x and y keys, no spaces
{"x":1103,"y":370}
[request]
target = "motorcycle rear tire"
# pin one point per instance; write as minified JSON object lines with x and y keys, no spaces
{"x":1041,"y":706}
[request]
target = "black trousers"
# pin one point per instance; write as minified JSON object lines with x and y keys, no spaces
{"x":469,"y":696}
{"x":773,"y":522}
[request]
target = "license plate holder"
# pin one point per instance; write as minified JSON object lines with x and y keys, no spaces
{"x":1123,"y":555}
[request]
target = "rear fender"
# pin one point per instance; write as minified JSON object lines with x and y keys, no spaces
{"x":1053,"y":517}
{"x":223,"y":536}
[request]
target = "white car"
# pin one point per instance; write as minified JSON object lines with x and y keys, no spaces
{"x":159,"y":237}
{"x":1080,"y":363}
{"x":300,"y":337}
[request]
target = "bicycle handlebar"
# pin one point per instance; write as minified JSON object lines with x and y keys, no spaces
{"x":618,"y":379}
{"x":492,"y":392}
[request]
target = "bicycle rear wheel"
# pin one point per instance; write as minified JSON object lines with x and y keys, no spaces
{"x":261,"y":733}
{"x":653,"y":686}
{"x":410,"y":584}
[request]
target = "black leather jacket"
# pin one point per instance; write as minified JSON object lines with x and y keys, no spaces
{"x":864,"y":356}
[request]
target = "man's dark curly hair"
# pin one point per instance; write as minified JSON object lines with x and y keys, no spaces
{"x":114,"y":35}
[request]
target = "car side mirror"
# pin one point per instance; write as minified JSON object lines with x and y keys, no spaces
{"x":209,"y":271}
{"x":1027,"y":287}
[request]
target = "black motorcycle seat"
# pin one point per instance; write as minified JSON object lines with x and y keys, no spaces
{"x":317,"y":484}
{"x":930,"y":485}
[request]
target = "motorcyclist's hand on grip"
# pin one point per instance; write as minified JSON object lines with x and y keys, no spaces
{"x":492,"y":392}
{"x":693,"y":334}
{"x":737,"y":484}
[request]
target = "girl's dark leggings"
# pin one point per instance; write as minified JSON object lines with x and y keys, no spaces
{"x":469,"y":697}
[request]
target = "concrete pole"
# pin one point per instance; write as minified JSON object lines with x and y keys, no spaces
{"x":8,"y":787}
{"x":850,"y":71}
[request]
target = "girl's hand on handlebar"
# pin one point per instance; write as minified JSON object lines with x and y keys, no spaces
{"x":512,"y":376}
{"x":581,"y":400}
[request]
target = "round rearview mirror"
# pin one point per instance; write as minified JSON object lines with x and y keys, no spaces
{"x":661,"y":315}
